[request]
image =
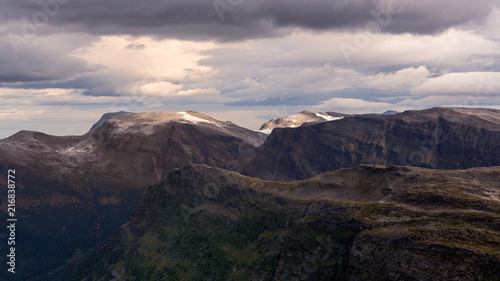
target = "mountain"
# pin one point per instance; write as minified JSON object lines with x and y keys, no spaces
{"x":390,"y":112}
{"x":73,"y":192}
{"x":440,"y":138}
{"x":105,"y":117}
{"x":364,"y":223}
{"x":303,"y":117}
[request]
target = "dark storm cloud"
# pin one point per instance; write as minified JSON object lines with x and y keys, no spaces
{"x":34,"y":63}
{"x":239,"y":19}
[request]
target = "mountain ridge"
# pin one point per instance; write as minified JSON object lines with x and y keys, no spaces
{"x":445,"y":138}
{"x":361,"y":223}
{"x":104,"y":173}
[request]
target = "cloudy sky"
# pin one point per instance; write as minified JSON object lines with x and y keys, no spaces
{"x":63,"y":63}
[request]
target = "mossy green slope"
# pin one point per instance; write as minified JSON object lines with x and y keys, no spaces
{"x":364,"y":223}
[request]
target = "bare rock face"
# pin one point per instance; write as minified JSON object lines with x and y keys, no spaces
{"x":105,"y":117}
{"x":364,"y":223}
{"x":153,"y":143}
{"x":441,"y":138}
{"x":304,"y":117}
{"x":73,"y":192}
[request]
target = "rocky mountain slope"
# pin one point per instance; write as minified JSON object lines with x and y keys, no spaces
{"x":363,"y":223}
{"x":105,"y":117}
{"x":73,"y":192}
{"x":303,"y":117}
{"x":442,"y":138}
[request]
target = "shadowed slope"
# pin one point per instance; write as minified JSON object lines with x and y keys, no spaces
{"x":364,"y":223}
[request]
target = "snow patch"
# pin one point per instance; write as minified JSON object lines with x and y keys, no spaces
{"x":196,"y":120}
{"x":328,"y":118}
{"x":266,"y":131}
{"x":148,"y":122}
{"x":193,"y":119}
{"x":81,"y":147}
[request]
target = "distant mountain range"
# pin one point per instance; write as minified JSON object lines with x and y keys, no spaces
{"x":307,"y":117}
{"x":75,"y":191}
{"x":440,"y":138}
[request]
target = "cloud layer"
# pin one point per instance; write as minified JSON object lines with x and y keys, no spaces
{"x":238,"y":19}
{"x":89,"y":57}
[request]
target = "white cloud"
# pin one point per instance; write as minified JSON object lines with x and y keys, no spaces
{"x":161,"y":88}
{"x":19,"y":114}
{"x":312,"y":62}
{"x":455,"y":67}
{"x":452,"y":101}
{"x":158,"y":60}
{"x":452,"y":49}
{"x":402,"y":79}
{"x":348,"y":105}
{"x":489,"y":28}
{"x":359,"y":106}
{"x":469,"y":83}
{"x":199,"y":92}
{"x":53,"y":111}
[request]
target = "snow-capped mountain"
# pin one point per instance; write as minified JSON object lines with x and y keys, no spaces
{"x":304,"y":117}
{"x":86,"y":186}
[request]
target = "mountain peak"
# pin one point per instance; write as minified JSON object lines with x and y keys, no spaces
{"x":390,"y":112}
{"x":301,"y":118}
{"x":147,"y":122}
{"x":105,"y":117}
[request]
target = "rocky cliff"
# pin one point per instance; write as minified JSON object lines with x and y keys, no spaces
{"x":441,"y":138}
{"x":363,"y":223}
